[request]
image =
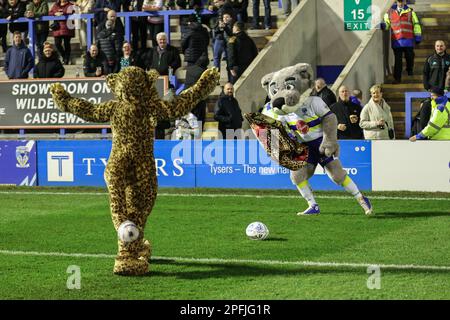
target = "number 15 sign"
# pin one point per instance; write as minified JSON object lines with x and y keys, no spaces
{"x":357,"y":15}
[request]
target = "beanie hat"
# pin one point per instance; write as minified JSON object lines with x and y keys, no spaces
{"x":437,"y":90}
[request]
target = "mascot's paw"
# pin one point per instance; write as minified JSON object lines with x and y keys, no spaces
{"x":210,"y":78}
{"x":58,"y":92}
{"x":329,"y":149}
{"x":130,"y":266}
{"x":146,"y":250}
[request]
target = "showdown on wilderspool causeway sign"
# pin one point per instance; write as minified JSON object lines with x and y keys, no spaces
{"x":29,"y":104}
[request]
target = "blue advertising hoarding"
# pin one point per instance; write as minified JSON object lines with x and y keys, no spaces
{"x":82,"y":163}
{"x":18,"y":163}
{"x":219,"y":163}
{"x":251,"y":168}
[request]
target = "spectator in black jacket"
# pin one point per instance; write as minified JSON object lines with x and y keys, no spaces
{"x":422,"y":117}
{"x":227,"y":112}
{"x":436,"y":67}
{"x":321,"y":90}
{"x":94,"y":64}
{"x":347,"y":114}
{"x":241,"y":51}
{"x":49,"y":65}
{"x":15,"y":9}
{"x":110,"y":39}
{"x":195,"y":41}
{"x":162,"y":57}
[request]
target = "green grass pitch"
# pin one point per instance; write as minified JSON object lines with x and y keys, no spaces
{"x":201,"y":250}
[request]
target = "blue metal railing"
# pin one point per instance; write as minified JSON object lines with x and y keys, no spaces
{"x":408,"y":108}
{"x":89,"y":16}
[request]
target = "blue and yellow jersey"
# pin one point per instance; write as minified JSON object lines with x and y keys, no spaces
{"x":306,"y":123}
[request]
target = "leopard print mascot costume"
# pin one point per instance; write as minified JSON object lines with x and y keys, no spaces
{"x":130,"y":173}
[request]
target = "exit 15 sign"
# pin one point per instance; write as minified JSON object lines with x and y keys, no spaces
{"x":357,"y":15}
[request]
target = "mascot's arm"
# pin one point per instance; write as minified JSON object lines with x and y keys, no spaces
{"x":189,"y":98}
{"x":329,"y":144}
{"x":79,"y":107}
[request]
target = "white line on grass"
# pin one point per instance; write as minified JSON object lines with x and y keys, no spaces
{"x":218,"y":195}
{"x":238,"y":261}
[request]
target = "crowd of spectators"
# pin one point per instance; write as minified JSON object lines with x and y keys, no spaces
{"x":148,"y":46}
{"x":224,"y":32}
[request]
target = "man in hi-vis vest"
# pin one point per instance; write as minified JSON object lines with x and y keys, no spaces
{"x":438,"y":128}
{"x":405,"y":33}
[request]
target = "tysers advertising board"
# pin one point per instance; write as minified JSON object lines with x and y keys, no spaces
{"x":28,"y":103}
{"x":219,"y":163}
{"x":82,"y":163}
{"x":18,"y":163}
{"x":244,"y":164}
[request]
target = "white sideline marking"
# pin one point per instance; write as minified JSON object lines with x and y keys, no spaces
{"x":237,"y":261}
{"x":217,"y":195}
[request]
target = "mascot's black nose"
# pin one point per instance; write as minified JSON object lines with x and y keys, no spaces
{"x":278,"y":103}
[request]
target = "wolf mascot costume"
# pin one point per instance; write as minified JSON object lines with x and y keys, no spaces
{"x":308,"y":121}
{"x":130,"y":173}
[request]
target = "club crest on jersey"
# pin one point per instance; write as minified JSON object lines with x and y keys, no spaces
{"x":302,"y":126}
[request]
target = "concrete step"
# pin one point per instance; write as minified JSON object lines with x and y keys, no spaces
{"x":399,"y":106}
{"x":402,"y":87}
{"x":436,"y":36}
{"x":428,"y":22}
{"x":434,"y":13}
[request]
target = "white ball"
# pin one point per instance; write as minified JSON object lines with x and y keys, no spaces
{"x":128,"y":232}
{"x":257,"y":231}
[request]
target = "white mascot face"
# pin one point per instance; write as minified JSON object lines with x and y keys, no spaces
{"x":286,"y":86}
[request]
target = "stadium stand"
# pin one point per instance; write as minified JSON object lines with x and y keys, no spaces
{"x":435,"y":20}
{"x":261,"y":37}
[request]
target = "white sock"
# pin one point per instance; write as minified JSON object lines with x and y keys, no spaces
{"x":351,"y":187}
{"x":306,"y":192}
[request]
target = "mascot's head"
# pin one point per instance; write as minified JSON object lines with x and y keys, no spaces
{"x":285,"y":87}
{"x":132,"y":83}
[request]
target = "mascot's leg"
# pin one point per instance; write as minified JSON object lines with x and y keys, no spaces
{"x":340,"y":177}
{"x":140,"y":198}
{"x":127,"y":261}
{"x":300,"y":179}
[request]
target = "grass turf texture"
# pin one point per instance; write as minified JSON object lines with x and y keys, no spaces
{"x":402,"y":232}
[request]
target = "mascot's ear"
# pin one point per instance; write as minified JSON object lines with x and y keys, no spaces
{"x":304,"y":68}
{"x":111,"y":81}
{"x":152,"y":75}
{"x":305,"y":71}
{"x":266,"y":80}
